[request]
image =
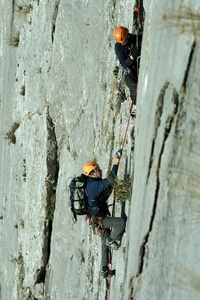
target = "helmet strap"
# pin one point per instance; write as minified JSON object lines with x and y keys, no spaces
{"x":96,"y":173}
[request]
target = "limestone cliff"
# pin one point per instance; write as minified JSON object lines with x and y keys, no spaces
{"x":59,"y":110}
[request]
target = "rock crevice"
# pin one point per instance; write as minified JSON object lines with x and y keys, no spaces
{"x":54,"y":17}
{"x":143,"y":254}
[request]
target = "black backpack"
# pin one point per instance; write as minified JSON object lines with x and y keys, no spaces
{"x":78,"y":196}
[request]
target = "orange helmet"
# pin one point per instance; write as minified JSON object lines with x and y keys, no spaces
{"x":120,"y":34}
{"x":89,"y":167}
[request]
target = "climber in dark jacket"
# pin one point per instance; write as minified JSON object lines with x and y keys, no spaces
{"x":128,"y":50}
{"x":98,"y":191}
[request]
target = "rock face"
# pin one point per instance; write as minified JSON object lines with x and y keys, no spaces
{"x":163,"y":254}
{"x":59,"y":111}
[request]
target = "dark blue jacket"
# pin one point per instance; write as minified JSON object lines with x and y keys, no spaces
{"x":99,"y":190}
{"x":124,"y":52}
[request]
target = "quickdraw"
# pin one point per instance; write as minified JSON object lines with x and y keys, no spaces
{"x":97,"y":226}
{"x":100,"y":226}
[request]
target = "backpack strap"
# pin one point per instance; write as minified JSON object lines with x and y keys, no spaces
{"x":90,"y":209}
{"x":73,"y":212}
{"x":74,"y":216}
{"x":95,"y":201}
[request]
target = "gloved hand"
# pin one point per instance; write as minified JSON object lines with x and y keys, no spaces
{"x":119,"y":152}
{"x":136,"y":52}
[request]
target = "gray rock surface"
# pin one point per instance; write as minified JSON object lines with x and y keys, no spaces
{"x":163,"y":254}
{"x":57,"y":60}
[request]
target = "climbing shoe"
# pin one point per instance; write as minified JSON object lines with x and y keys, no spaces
{"x":133,"y":112}
{"x":121,"y":97}
{"x":112,"y":244}
{"x":133,"y":115}
{"x":104,"y":272}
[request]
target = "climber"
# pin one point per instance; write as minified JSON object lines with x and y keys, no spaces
{"x":128,"y":49}
{"x":98,"y":191}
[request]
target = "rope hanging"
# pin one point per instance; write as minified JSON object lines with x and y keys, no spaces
{"x":113,"y":212}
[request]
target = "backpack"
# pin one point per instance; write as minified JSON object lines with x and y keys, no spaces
{"x":78,"y":196}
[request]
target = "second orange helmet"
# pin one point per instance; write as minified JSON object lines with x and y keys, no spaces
{"x":120,"y":34}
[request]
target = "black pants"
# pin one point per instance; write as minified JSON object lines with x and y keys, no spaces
{"x":131,"y":83}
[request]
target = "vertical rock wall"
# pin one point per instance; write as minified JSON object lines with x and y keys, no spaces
{"x":58,"y":100}
{"x":163,"y":254}
{"x":58,"y":90}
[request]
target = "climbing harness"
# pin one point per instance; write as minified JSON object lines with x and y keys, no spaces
{"x":97,"y":224}
{"x":100,"y":227}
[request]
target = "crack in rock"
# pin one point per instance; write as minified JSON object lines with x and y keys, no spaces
{"x":52,"y":175}
{"x":51,"y":183}
{"x":168,"y":126}
{"x":188,"y":66}
{"x":54,"y":18}
{"x":13,"y":9}
{"x":159,"y":111}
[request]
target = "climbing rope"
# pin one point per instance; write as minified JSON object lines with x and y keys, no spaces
{"x":113,"y":212}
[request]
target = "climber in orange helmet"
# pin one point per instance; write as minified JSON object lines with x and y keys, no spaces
{"x":98,"y":192}
{"x":128,"y":50}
